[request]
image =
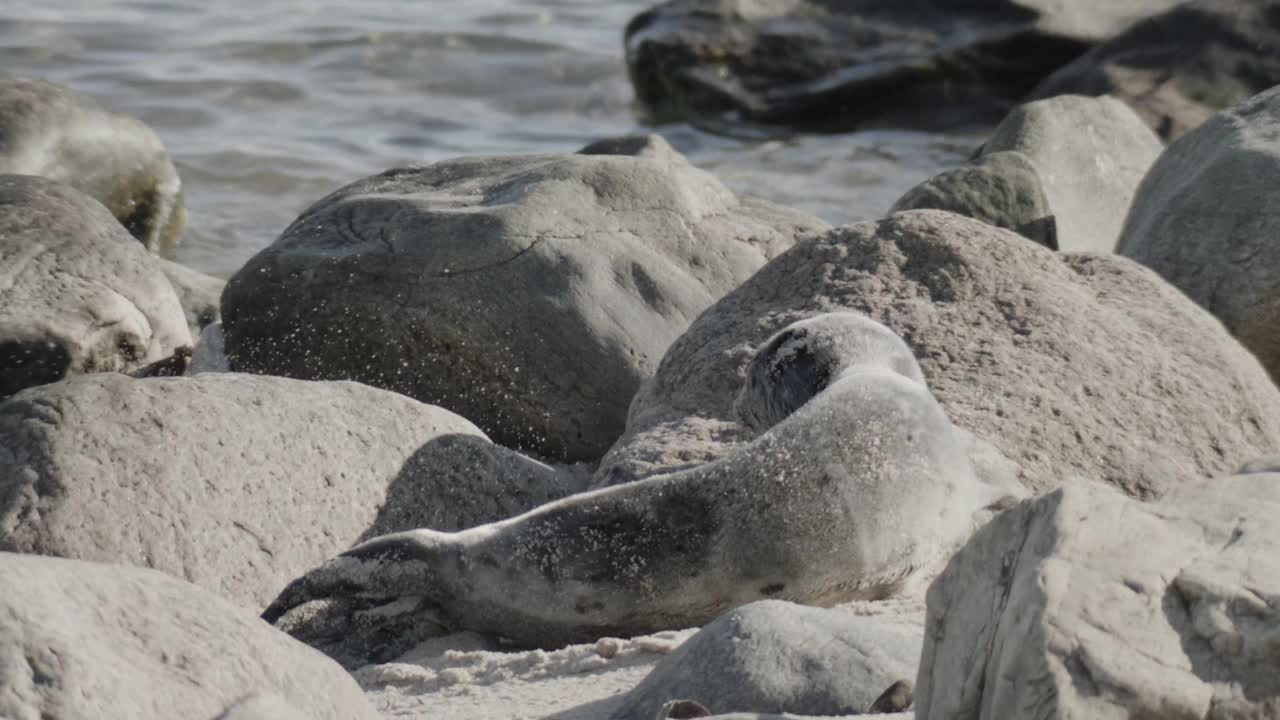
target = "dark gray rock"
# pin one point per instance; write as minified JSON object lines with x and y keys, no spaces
{"x":838,"y":64}
{"x":776,"y":657}
{"x":84,"y":641}
{"x":77,"y":294}
{"x":530,"y":294}
{"x":1179,"y":67}
{"x":58,"y":133}
{"x":1001,"y":189}
{"x":1071,"y":364}
{"x":1205,"y":219}
{"x":238,"y":483}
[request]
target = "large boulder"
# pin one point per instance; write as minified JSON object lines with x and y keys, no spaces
{"x":82,"y":641}
{"x":1205,"y":219}
{"x":773,"y":656}
{"x":58,"y":133}
{"x":1069,"y":363}
{"x":238,"y":482}
{"x":1181,"y":66}
{"x":837,"y":64}
{"x":77,"y":294}
{"x":1090,"y":155}
{"x":530,"y":294}
{"x":1084,"y":603}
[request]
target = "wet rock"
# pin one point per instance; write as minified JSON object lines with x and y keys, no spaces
{"x":61,"y":134}
{"x":1204,"y":219}
{"x":1090,"y":155}
{"x":239,"y":483}
{"x":530,"y":294}
{"x":1000,"y":188}
{"x":1179,"y":67}
{"x":826,"y":65}
{"x":77,"y":294}
{"x":779,"y":657}
{"x":896,"y":698}
{"x":1084,"y":603}
{"x":1069,"y":364}
{"x":83,"y":641}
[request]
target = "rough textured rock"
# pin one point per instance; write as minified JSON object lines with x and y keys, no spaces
{"x":1205,"y":219}
{"x":999,"y":188}
{"x":837,"y":64}
{"x":779,"y":657}
{"x":199,"y":294}
{"x":1090,"y":155}
{"x":82,"y":641}
{"x":77,"y":294}
{"x":1070,"y":364}
{"x":1179,"y":67}
{"x":239,"y":483}
{"x":857,"y":482}
{"x":1084,"y":603}
{"x":530,"y":294}
{"x":58,"y":133}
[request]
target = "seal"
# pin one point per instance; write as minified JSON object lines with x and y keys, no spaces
{"x":841,"y":498}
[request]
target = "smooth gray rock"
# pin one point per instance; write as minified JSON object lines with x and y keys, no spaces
{"x":1001,"y":189}
{"x":1205,"y":219}
{"x":1084,"y":603}
{"x":1090,"y":155}
{"x":84,"y":641}
{"x":1070,"y":364}
{"x":776,"y":657}
{"x":77,"y":294}
{"x":61,"y":134}
{"x":199,"y":294}
{"x":238,"y":483}
{"x":846,"y":497}
{"x":840,"y":64}
{"x":1179,"y":67}
{"x":263,"y":706}
{"x":530,"y":294}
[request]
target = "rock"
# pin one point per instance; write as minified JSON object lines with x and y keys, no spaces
{"x":1179,"y":67}
{"x":1070,"y":364}
{"x":1090,"y":154}
{"x":779,"y":657}
{"x":1204,"y":219}
{"x":199,"y":294}
{"x":210,"y":354}
{"x":834,"y":66}
{"x":77,"y":294}
{"x":856,"y":483}
{"x":896,"y":698}
{"x":82,"y":641}
{"x":239,"y":483}
{"x":1083,"y":603}
{"x":262,"y":706}
{"x":1000,"y":188}
{"x":530,"y":294}
{"x":58,"y":133}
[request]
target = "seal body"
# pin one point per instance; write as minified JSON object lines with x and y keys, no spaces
{"x":841,"y":498}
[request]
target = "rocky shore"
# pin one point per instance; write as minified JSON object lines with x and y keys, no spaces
{"x":590,"y":435}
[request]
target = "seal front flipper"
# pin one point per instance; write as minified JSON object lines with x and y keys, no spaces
{"x":385,"y":567}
